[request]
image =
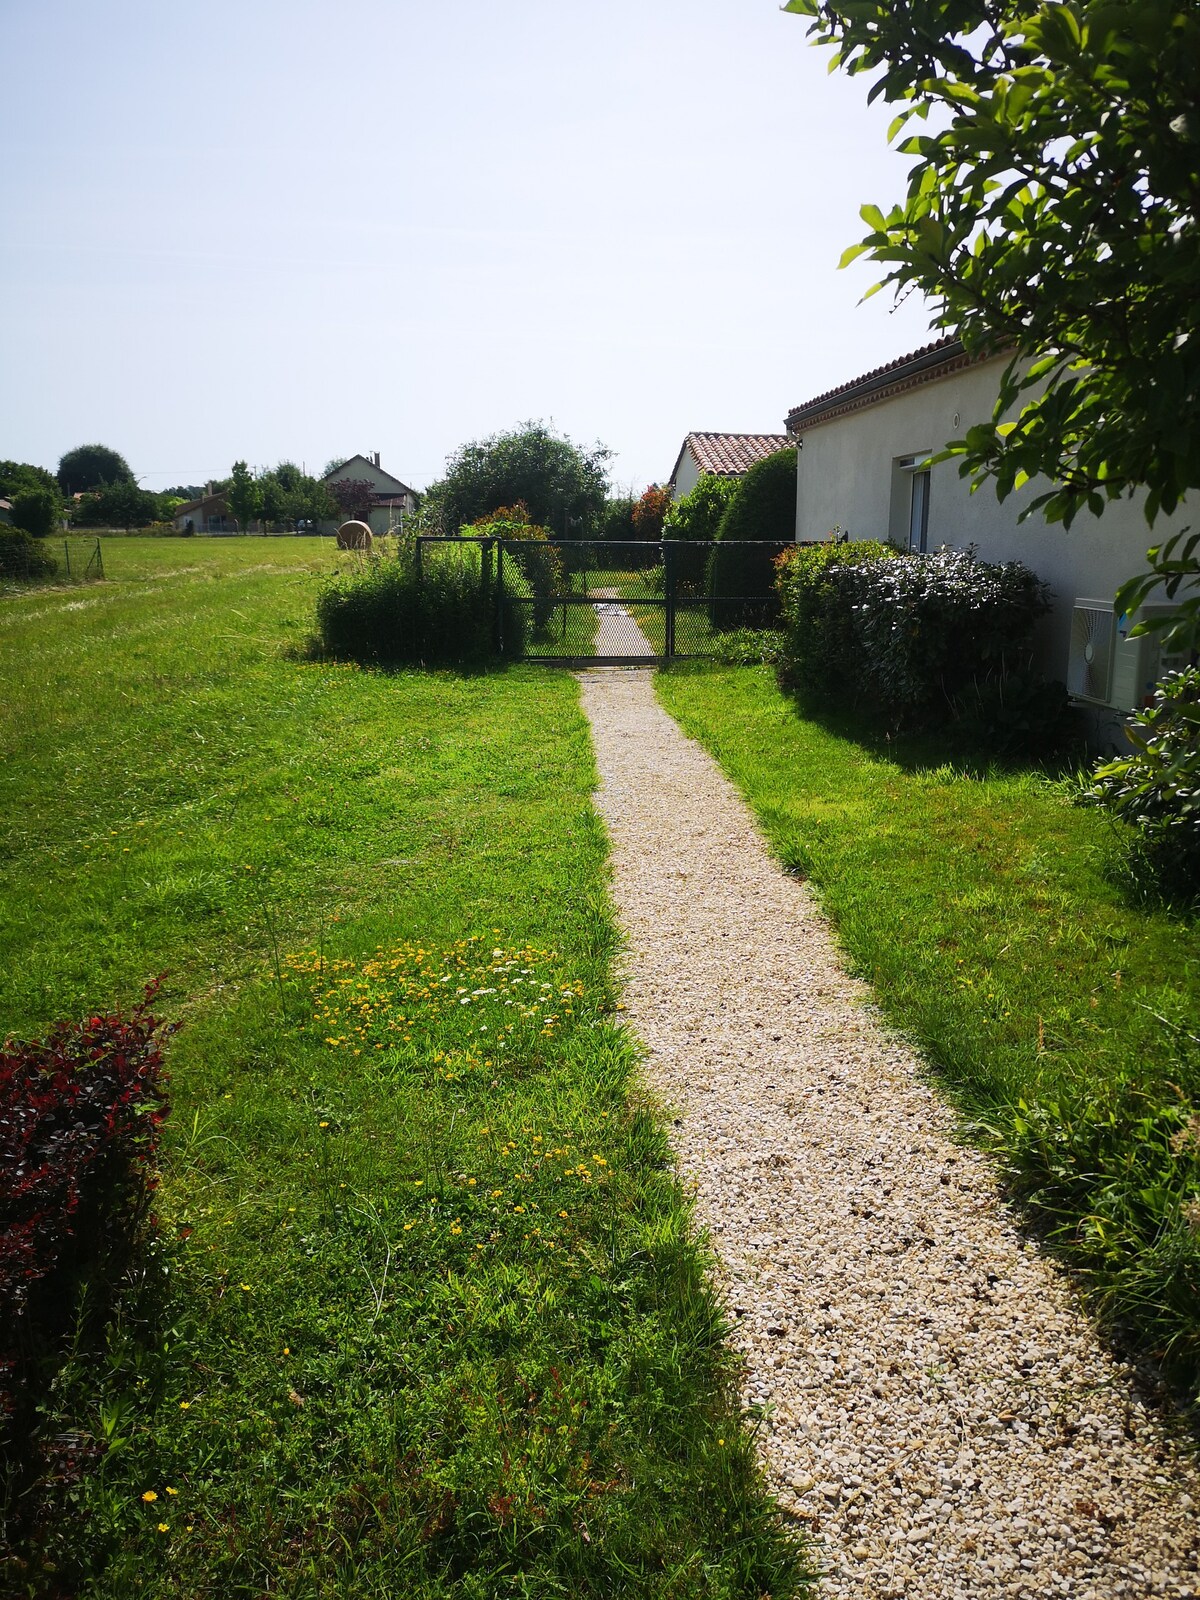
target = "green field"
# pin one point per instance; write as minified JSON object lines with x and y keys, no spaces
{"x":990,"y":915}
{"x":427,"y":1316}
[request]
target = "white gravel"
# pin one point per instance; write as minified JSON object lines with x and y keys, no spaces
{"x":937,"y":1409}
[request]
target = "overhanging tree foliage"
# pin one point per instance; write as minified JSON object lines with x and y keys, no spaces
{"x":1052,"y":213}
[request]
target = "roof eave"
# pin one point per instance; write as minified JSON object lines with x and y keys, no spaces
{"x":921,"y":367}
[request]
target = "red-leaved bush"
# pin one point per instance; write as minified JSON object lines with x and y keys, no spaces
{"x":80,"y":1112}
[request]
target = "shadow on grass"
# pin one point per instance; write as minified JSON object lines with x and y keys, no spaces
{"x":310,"y":652}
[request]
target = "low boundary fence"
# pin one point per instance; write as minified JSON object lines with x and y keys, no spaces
{"x":586,"y":602}
{"x":50,"y":560}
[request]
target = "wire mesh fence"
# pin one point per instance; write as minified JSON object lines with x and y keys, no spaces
{"x":584,"y":600}
{"x":25,"y":560}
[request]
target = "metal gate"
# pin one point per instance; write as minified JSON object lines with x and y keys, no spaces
{"x":586,"y":602}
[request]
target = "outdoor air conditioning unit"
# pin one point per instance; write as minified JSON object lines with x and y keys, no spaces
{"x":1109,"y":668}
{"x":1089,"y":669}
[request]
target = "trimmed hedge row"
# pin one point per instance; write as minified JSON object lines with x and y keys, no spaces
{"x":761,"y":514}
{"x":435,"y":606}
{"x":916,"y":640}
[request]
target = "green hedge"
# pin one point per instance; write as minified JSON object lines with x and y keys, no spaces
{"x":434,"y":607}
{"x":760,"y":517}
{"x":916,"y":640}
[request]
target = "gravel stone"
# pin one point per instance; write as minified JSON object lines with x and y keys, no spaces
{"x":932,"y":1404}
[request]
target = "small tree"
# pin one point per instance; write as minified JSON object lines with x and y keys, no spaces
{"x":243,"y":495}
{"x":117,"y":505}
{"x":18,"y":475}
{"x":697,"y":516}
{"x":649,"y":512}
{"x":353,"y":497}
{"x":36,"y":510}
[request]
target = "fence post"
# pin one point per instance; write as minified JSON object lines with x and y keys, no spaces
{"x":420,"y":548}
{"x":499,"y":597}
{"x":99,"y":558}
{"x":668,"y":560}
{"x":67,"y":553}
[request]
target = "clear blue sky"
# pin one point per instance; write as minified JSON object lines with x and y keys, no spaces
{"x":293,"y":228}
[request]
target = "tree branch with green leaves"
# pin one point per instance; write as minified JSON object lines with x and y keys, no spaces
{"x":1051,"y":214}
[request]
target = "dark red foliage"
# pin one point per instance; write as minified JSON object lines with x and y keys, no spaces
{"x":354,"y":497}
{"x":79,"y":1117}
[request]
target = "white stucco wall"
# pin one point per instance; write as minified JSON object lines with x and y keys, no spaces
{"x":848,"y":479}
{"x":688,"y":475}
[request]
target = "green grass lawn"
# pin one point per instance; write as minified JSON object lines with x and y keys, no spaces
{"x":427,"y":1317}
{"x":986,"y":913}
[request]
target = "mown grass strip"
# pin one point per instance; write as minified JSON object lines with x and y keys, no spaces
{"x":985,"y":912}
{"x":427,"y":1316}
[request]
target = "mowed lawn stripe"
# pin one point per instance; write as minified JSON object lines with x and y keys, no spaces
{"x":427,"y":1315}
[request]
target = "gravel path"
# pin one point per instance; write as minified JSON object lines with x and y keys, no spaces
{"x":617,"y":630}
{"x":938,"y":1411}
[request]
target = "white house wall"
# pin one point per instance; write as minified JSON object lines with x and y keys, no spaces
{"x":848,"y":479}
{"x":688,"y":475}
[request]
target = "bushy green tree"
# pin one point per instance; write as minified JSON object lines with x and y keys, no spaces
{"x":243,"y":495}
{"x":18,"y":475}
{"x":37,"y":510}
{"x":117,"y":505}
{"x":564,"y":485}
{"x":89,"y":466}
{"x":616,"y":520}
{"x":1052,"y":213}
{"x":697,"y":516}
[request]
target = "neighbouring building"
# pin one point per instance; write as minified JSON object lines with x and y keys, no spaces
{"x":391,"y":500}
{"x":6,"y":511}
{"x":864,"y":473}
{"x":721,"y":455}
{"x":208,"y":514}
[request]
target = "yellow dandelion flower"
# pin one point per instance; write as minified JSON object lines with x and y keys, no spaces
{"x":164,"y":1527}
{"x":171,"y":1491}
{"x":150,"y":1497}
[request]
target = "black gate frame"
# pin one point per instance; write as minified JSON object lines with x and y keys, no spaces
{"x":671,"y":601}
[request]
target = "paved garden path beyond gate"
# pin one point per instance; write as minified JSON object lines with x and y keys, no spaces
{"x":936,"y":1408}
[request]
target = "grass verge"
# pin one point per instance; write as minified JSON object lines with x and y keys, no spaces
{"x":983,"y":910}
{"x":426,"y":1316}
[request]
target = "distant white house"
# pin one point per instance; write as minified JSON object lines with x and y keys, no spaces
{"x":391,"y":500}
{"x":862,"y":472}
{"x":721,"y":455}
